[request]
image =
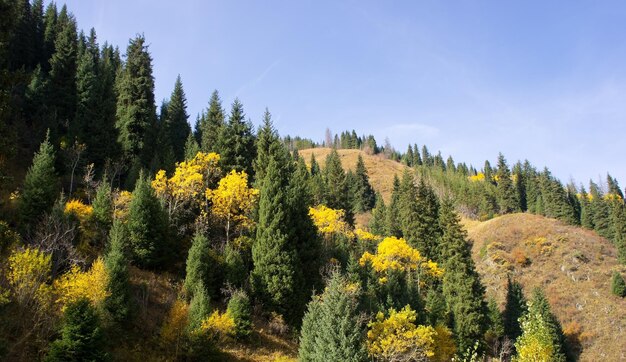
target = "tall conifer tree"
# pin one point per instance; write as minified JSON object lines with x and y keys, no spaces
{"x":136,"y":112}
{"x":211,"y":124}
{"x":177,"y":127}
{"x":462,"y":288}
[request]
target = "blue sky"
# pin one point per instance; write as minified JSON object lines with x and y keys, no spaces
{"x":542,"y":80}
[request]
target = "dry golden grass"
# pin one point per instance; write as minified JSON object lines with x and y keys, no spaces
{"x":379,"y":169}
{"x":571,"y":264}
{"x":154,"y":295}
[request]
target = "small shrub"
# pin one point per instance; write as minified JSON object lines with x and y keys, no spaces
{"x":519,"y":257}
{"x":218,"y":326}
{"x":240,"y":311}
{"x":618,"y":286}
{"x":277,"y":325}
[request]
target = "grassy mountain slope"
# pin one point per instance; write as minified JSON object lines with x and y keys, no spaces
{"x":571,"y":264}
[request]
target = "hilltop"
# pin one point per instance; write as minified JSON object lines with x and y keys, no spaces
{"x":380,"y":169}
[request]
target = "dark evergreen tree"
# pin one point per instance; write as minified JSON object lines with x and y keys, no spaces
{"x":88,"y":103}
{"x":38,"y":30}
{"x":508,"y":200}
{"x":136,"y":112}
{"x":40,"y":185}
{"x":200,"y":272}
{"x":62,"y":82}
{"x":427,"y":229}
{"x":103,"y":145}
{"x":599,"y":211}
{"x":119,"y":303}
{"x":332,"y":329}
{"x":378,"y":221}
{"x":240,"y":310}
{"x":316,"y":182}
{"x":496,"y":323}
{"x":50,"y":33}
{"x":276,"y":274}
{"x":392,"y":226}
{"x":21,"y":52}
{"x":520,"y":186}
{"x":176,"y":126}
{"x":82,"y":338}
{"x":514,"y":309}
{"x":210,"y":125}
{"x":199,"y":309}
{"x":462,"y":289}
{"x":191,"y":147}
{"x":103,"y":209}
{"x":618,"y":286}
{"x":236,"y":142}
{"x":147,"y":226}
{"x":268,"y":143}
{"x":304,"y":233}
{"x":337,"y":189}
{"x":365,"y":197}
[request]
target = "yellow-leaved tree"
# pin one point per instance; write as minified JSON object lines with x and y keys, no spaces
{"x":232,"y":201}
{"x":330,"y":222}
{"x":76,"y":284}
{"x":398,"y":338}
{"x":396,"y":254}
{"x":186,"y":188}
{"x":29,"y":271}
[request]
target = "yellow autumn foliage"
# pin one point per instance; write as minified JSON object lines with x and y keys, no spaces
{"x":189,"y":182}
{"x":79,"y":209}
{"x":175,"y":324}
{"x":398,"y":338}
{"x":29,"y":271}
{"x":121,"y":204}
{"x":330,"y":221}
{"x":219,"y":325}
{"x":366,"y":235}
{"x":396,"y":254}
{"x":232,"y":200}
{"x":76,"y":284}
{"x":479,"y":177}
{"x":444,"y":347}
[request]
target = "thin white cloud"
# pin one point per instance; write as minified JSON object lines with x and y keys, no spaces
{"x":251,"y":84}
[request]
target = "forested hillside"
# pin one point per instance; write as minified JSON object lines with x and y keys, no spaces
{"x":127,"y":234}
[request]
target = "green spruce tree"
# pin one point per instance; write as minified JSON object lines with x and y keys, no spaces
{"x":331,"y":329}
{"x":82,"y":338}
{"x":508,"y":199}
{"x":176,"y":126}
{"x":365,"y":197}
{"x":236,"y":141}
{"x":276,"y":274}
{"x":618,"y":285}
{"x":119,"y":303}
{"x":40,"y":187}
{"x":136,"y":112}
{"x":147,"y":226}
{"x":211,"y":124}
{"x":62,"y":82}
{"x":337,"y":189}
{"x":462,"y":288}
{"x":514,"y":309}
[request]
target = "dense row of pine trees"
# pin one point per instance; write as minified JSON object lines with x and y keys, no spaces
{"x":244,"y":228}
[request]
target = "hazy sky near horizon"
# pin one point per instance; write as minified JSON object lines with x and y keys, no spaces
{"x":542,"y":80}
